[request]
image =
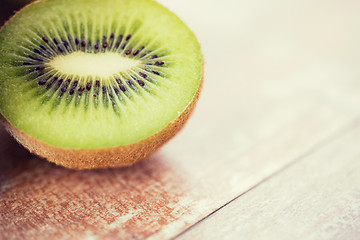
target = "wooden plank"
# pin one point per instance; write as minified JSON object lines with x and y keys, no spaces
{"x":159,"y":197}
{"x":263,"y":106}
{"x":316,"y":198}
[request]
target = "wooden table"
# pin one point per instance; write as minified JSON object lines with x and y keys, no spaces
{"x":272,"y":151}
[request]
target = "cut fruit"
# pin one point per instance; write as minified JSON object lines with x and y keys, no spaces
{"x":89,"y":85}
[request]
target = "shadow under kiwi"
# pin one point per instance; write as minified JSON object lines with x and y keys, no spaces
{"x":41,"y":200}
{"x":14,"y":158}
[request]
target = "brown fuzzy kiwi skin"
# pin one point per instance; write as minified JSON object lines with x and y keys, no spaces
{"x":120,"y":156}
{"x":112,"y":157}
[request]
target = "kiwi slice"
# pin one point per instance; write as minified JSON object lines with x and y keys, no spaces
{"x":96,"y":84}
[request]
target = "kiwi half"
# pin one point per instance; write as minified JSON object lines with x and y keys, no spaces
{"x":96,"y":84}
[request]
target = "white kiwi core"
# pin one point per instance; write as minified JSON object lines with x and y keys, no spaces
{"x":102,"y":65}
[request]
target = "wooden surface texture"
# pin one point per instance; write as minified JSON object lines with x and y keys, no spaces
{"x":271,"y":151}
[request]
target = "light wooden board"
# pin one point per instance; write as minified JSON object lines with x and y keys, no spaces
{"x":162,"y":196}
{"x":281,"y":80}
{"x":316,"y":198}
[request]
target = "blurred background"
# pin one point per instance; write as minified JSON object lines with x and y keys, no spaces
{"x":9,"y":7}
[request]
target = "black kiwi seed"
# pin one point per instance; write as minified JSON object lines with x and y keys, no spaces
{"x":104,"y":90}
{"x":63,"y":89}
{"x":136,"y":52}
{"x":117,"y":45}
{"x":42,"y":82}
{"x":37,"y":51}
{"x":88,"y":86}
{"x":34,"y":58}
{"x":159,"y":63}
{"x":43,"y":47}
{"x":40,"y":68}
{"x":128,"y":37}
{"x":48,"y":86}
{"x":97,"y":86}
{"x":51,"y":83}
{"x":60,"y":82}
{"x":105,"y":44}
{"x":72,"y":91}
{"x":143,"y":74}
{"x":66,"y":44}
{"x":83,"y":43}
{"x":45,"y":39}
{"x":154,"y":56}
{"x":155,"y":72}
{"x":56,"y":41}
{"x":60,"y":49}
{"x":128,"y":52}
{"x":141,"y":83}
{"x":81,"y":89}
{"x":112,"y":36}
{"x":122,"y":88}
{"x":54,"y":80}
{"x":77,"y":41}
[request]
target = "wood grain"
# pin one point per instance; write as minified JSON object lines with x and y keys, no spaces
{"x":316,"y":198}
{"x":41,"y":201}
{"x":281,"y":81}
{"x":159,"y":197}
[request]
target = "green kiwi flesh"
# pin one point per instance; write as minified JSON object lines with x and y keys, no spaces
{"x":89,"y":74}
